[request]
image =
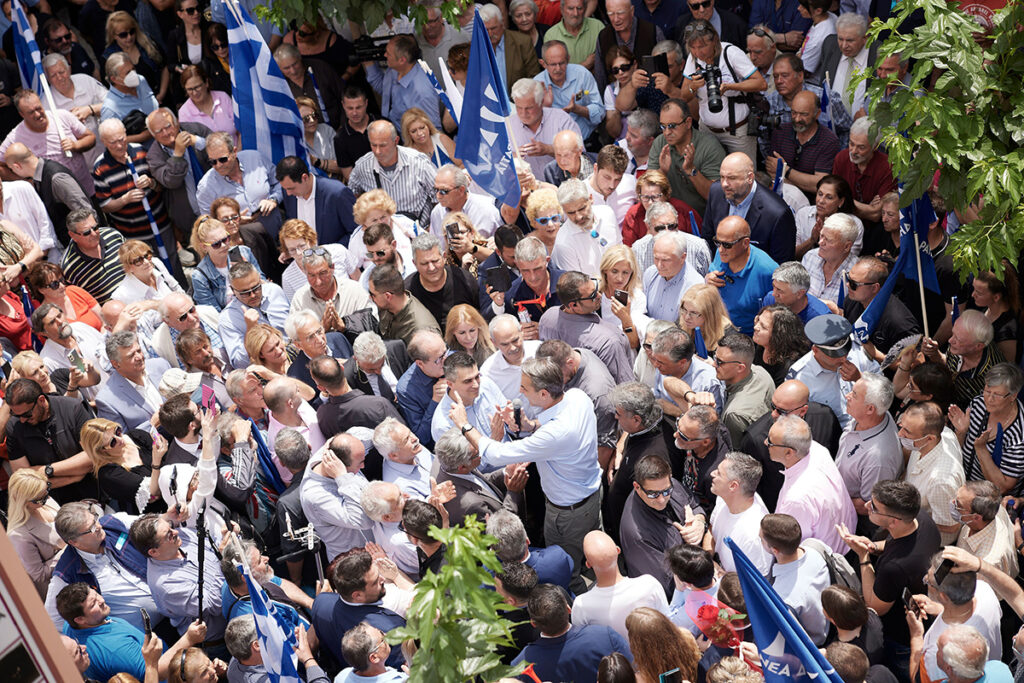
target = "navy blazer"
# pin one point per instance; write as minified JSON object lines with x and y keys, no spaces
{"x":119,"y":401}
{"x":333,"y":205}
{"x":772,"y":226}
{"x":552,"y":564}
{"x":339,"y":348}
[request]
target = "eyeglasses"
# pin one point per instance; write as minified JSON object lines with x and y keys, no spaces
{"x":234,"y":218}
{"x":655,"y":495}
{"x":854,"y":284}
{"x":41,"y":500}
{"x":126,"y":34}
{"x":730,"y":245}
{"x":56,"y":284}
{"x":444,"y":192}
{"x":783,"y":411}
{"x":664,"y":226}
{"x":91,"y":530}
{"x":770,"y":444}
{"x":61,"y":39}
{"x":719,"y":361}
{"x":142,"y":259}
{"x":190,"y":10}
{"x":218,"y":244}
{"x":186,"y":314}
{"x":544,"y":220}
{"x":671,"y":126}
{"x":115,"y":438}
{"x":83,"y":233}
{"x":218,"y":46}
{"x":652,"y":197}
{"x":616,"y":70}
{"x":988,"y":391}
{"x":192,"y":90}
{"x":219,"y":160}
{"x":248,"y":292}
{"x":874,"y":510}
{"x":701,"y":5}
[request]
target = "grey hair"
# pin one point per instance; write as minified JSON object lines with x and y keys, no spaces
{"x":369,"y":347}
{"x":572,"y":190}
{"x":425,"y":241}
{"x":223,"y":423}
{"x":864,"y":126}
{"x":638,"y":399}
{"x":965,"y":651}
{"x":548,"y":44}
{"x":793,"y":274}
{"x":768,"y":39}
{"x":877,"y":391}
{"x":239,"y":635}
{"x":516,"y":4}
{"x":978,"y":326}
{"x":286,"y":51}
{"x":745,"y":470}
{"x":383,"y":436}
{"x":460,"y":176}
{"x":503,"y":319}
{"x":292,"y":449}
{"x":111,"y":126}
{"x":374,"y":499}
{"x":71,"y":518}
{"x":1007,"y":375}
{"x":234,"y":382}
{"x":525,"y":87}
{"x":844,"y":226}
{"x":297,"y":320}
{"x":511,"y":534}
{"x":659,"y":209}
{"x":706,"y":419}
{"x":225,"y":139}
{"x":677,"y":239}
{"x":489,"y":13}
{"x":795,"y":434}
{"x":317,"y":256}
{"x":53,"y":59}
{"x":545,"y":375}
{"x":667,"y":46}
{"x":160,"y":111}
{"x":166,"y":302}
{"x":115,"y":62}
{"x":117,"y":341}
{"x":79,"y":215}
{"x":530,"y":249}
{"x":656,"y":327}
{"x":853,"y":20}
{"x":645,"y":121}
{"x":453,"y":450}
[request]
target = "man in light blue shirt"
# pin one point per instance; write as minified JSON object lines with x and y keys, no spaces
{"x":563,"y":444}
{"x":331,"y":492}
{"x":407,"y":464}
{"x":254,"y":301}
{"x":480,"y":396}
{"x":742,"y":272}
{"x":672,"y":355}
{"x":667,"y":280}
{"x":404,"y":84}
{"x":247,"y":177}
{"x":573,"y":88}
{"x":122,"y":97}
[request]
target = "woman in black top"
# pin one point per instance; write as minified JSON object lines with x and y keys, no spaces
{"x":127,"y":466}
{"x":1000,"y":300}
{"x":780,"y":338}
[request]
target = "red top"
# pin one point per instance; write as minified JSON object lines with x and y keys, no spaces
{"x":549,"y":12}
{"x":634,"y":225}
{"x":83,"y":303}
{"x":876,"y":180}
{"x":16,"y":328}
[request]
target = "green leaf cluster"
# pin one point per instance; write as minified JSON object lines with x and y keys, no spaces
{"x":368,"y":12}
{"x":963,"y":112}
{"x":454,"y":617}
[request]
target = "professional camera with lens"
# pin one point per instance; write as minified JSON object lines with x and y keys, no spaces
{"x":367,"y":49}
{"x":712,"y":76}
{"x":761,"y":120}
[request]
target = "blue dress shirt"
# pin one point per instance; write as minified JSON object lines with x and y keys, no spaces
{"x":415,"y":391}
{"x":117,"y":105}
{"x":742,"y":297}
{"x":398,"y":94}
{"x":273,"y":309}
{"x":413,"y":479}
{"x":577,"y":80}
{"x":744,"y":206}
{"x":664,"y":296}
{"x":479,"y":412}
{"x":259,"y":182}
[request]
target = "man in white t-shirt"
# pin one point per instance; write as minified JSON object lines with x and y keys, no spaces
{"x":588,"y":232}
{"x":739,"y":511}
{"x":610,"y":185}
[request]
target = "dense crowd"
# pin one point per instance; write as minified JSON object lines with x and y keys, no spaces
{"x":306,"y":364}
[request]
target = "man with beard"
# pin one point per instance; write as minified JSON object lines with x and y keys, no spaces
{"x":62,"y":337}
{"x":234,"y":591}
{"x":869,"y":174}
{"x":818,"y":146}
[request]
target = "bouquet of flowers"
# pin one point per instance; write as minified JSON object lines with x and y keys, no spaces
{"x":720,"y":624}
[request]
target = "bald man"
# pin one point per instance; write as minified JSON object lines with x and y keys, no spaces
{"x":790,"y":397}
{"x":570,"y":161}
{"x":772,"y":226}
{"x":818,"y":146}
{"x":57,"y":187}
{"x":405,"y":174}
{"x":613,"y":596}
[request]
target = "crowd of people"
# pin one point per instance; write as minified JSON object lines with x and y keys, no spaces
{"x":652,"y":352}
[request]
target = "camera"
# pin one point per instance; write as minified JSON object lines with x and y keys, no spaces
{"x":761,"y":119}
{"x":367,"y":49}
{"x":712,"y":76}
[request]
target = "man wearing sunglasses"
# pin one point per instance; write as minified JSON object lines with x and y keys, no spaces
{"x":57,"y":39}
{"x":748,"y":387}
{"x":247,"y":176}
{"x":451,"y":185}
{"x":91,"y":260}
{"x":863,"y":283}
{"x":690,"y":158}
{"x":179,"y":312}
{"x":727,"y":24}
{"x":741,"y":271}
{"x":254,"y":302}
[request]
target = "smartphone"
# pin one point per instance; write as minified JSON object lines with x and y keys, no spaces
{"x":499,"y":278}
{"x":209,"y":400}
{"x":75,"y":359}
{"x":453,"y":231}
{"x":235,"y":255}
{"x":622,"y":296}
{"x":910,"y":603}
{"x":655,"y":64}
{"x":147,"y":626}
{"x":671,"y":676}
{"x":942,"y":570}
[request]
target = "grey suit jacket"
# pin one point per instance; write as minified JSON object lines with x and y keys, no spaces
{"x":170,"y":172}
{"x":830,"y":57}
{"x":471,"y":499}
{"x":122,"y":403}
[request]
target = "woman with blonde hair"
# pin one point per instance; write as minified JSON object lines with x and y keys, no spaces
{"x":146,"y":279}
{"x":377,"y":206}
{"x":619,"y":277}
{"x":466,"y":247}
{"x":126,"y":465}
{"x":266,"y":346}
{"x":210,"y":239}
{"x":658,"y":646}
{"x":419,"y":133}
{"x":545,"y":215}
{"x":466,"y":330}
{"x":702,"y":306}
{"x":30,"y":515}
{"x":296,"y":237}
{"x":125,"y":35}
{"x":319,"y":136}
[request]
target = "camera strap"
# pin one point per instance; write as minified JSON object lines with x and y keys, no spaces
{"x":735,"y":78}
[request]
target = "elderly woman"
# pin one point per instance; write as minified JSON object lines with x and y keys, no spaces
{"x":833,"y":196}
{"x":252,"y":235}
{"x":126,"y":465}
{"x":146,"y":278}
{"x":890,"y":224}
{"x":81,"y":94}
{"x":620,"y":279}
{"x":620,"y":63}
{"x":372,"y":207}
{"x":48,"y":286}
{"x":124,"y":35}
{"x":209,"y":279}
{"x":545,"y":215}
{"x":663,"y":216}
{"x":297,"y":236}
{"x":30,"y":515}
{"x":522,"y":16}
{"x":266,"y":346}
{"x":779,"y":334}
{"x":319,"y":136}
{"x":466,"y":330}
{"x":421,"y":135}
{"x":212,"y":108}
{"x":651,"y":188}
{"x":997,"y":406}
{"x":702,"y":306}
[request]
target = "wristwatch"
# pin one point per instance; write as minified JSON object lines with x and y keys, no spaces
{"x":693,"y":172}
{"x":48,"y":471}
{"x":466,"y":429}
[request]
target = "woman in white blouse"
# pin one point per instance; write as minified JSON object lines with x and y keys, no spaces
{"x":619,"y":275}
{"x":31,"y":512}
{"x":146,"y":278}
{"x":834,"y":195}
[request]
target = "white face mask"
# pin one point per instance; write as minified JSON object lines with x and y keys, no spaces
{"x":131,"y":79}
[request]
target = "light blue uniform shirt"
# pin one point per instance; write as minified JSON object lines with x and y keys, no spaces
{"x":577,"y":80}
{"x":664,"y":296}
{"x":826,"y":386}
{"x":564,"y":448}
{"x":273,"y":310}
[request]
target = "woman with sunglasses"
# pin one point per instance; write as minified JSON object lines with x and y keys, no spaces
{"x":319,"y":137}
{"x":619,"y":274}
{"x":620,"y":63}
{"x":316,"y":41}
{"x":146,"y":279}
{"x":30,"y":515}
{"x":702,"y":306}
{"x":216,"y":61}
{"x":252,"y":235}
{"x":186,"y":38}
{"x":212,"y":108}
{"x":834,"y":195}
{"x":126,"y":465}
{"x":266,"y":346}
{"x":545,"y":215}
{"x":297,"y":236}
{"x":779,"y":335}
{"x":47,"y":285}
{"x":211,"y":241}
{"x":124,"y":35}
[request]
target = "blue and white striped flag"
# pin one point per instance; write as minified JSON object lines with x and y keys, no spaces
{"x":30,"y":61}
{"x":266,"y":115}
{"x":441,"y":92}
{"x":277,"y":645}
{"x":777,"y":182}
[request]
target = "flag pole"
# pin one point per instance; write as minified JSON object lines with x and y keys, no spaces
{"x":917,"y":257}
{"x":53,"y":110}
{"x":18,"y":14}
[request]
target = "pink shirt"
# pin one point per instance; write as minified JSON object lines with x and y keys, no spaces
{"x":46,"y":145}
{"x":223,"y":119}
{"x":814,"y":493}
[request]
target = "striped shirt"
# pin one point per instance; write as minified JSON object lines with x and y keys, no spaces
{"x":100,"y":277}
{"x":113,"y":179}
{"x":815,"y":265}
{"x":1012,"y":462}
{"x":410,"y":183}
{"x":967,"y":384}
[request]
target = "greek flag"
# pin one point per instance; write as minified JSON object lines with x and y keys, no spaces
{"x":266,"y":115}
{"x":276,"y":644}
{"x":30,"y":62}
{"x":484,"y":144}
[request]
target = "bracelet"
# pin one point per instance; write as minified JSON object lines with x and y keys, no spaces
{"x":155,"y":467}
{"x":305,"y":662}
{"x":904,"y":369}
{"x":866,"y":563}
{"x":687,"y":394}
{"x":1020,"y":546}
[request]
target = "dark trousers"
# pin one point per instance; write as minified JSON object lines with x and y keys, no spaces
{"x":566,"y":528}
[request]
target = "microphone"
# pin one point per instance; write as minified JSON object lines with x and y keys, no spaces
{"x":517,"y":414}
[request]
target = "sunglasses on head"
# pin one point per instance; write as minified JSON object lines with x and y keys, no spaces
{"x":142,"y":259}
{"x":115,"y":438}
{"x":184,"y":316}
{"x":616,"y":70}
{"x":544,"y":220}
{"x":315,"y":251}
{"x":126,"y":34}
{"x":218,"y":244}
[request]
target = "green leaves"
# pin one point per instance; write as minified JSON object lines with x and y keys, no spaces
{"x":368,"y":12}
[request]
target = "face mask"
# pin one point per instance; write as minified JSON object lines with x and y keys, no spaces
{"x":954,"y":513}
{"x":131,"y":79}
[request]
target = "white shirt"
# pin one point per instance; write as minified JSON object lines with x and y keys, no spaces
{"x":23,"y":207}
{"x":294,"y":279}
{"x":621,"y":199}
{"x":844,"y":74}
{"x":403,"y":230}
{"x":132,"y":289}
{"x":985,"y":618}
{"x":938,"y":475}
{"x":610,"y":605}
{"x":508,"y":377}
{"x":576,"y":249}
{"x":305,"y":209}
{"x":806,"y":217}
{"x":396,"y":545}
{"x":149,"y":393}
{"x":810,"y":52}
{"x":744,"y":69}
{"x":800,"y":584}
{"x":88,"y":91}
{"x":744,"y":529}
{"x":348,"y":298}
{"x":482,"y":213}
{"x":90,"y":345}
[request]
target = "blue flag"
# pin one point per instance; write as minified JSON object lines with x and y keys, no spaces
{"x":826,"y":112}
{"x":30,"y":62}
{"x":484,"y":144}
{"x":266,"y":460}
{"x":277,"y":644}
{"x":842,"y":291}
{"x":266,"y":115}
{"x":787,"y":653}
{"x":997,"y":448}
{"x":913,"y":238}
{"x":777,"y":183}
{"x":693,"y":225}
{"x":699,"y":347}
{"x":956,"y":309}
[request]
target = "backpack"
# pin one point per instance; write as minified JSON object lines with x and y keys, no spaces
{"x":840,"y":573}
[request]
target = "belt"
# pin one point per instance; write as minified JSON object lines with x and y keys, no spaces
{"x":732,"y":129}
{"x":574,"y":505}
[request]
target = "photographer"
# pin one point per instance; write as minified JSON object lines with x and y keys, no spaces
{"x":714,"y":75}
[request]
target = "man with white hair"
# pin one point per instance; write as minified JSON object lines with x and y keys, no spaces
{"x":667,"y":280}
{"x":832,"y":258}
{"x":868,"y":172}
{"x":571,"y":160}
{"x":571,"y":87}
{"x":963,"y":655}
{"x":451,"y":185}
{"x":503,"y":367}
{"x":514,"y":51}
{"x":588,"y":232}
{"x":179,"y":312}
{"x":376,"y":365}
{"x":438,"y":285}
{"x":178,"y":159}
{"x":306,"y":331}
{"x":534,"y":125}
{"x":641,"y":129}
{"x":662,"y":216}
{"x":383,"y":502}
{"x":790,"y":283}
{"x":128,"y":92}
{"x":863,"y":283}
{"x":869,"y":448}
{"x":761,"y":51}
{"x":407,"y":464}
{"x":436,"y":37}
{"x":326,"y":294}
{"x":844,"y":55}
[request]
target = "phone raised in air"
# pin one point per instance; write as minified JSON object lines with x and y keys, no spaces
{"x":499,"y":278}
{"x":671,"y":676}
{"x":235,"y":255}
{"x":654,"y":64}
{"x":75,"y":359}
{"x":910,"y":603}
{"x":147,"y":626}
